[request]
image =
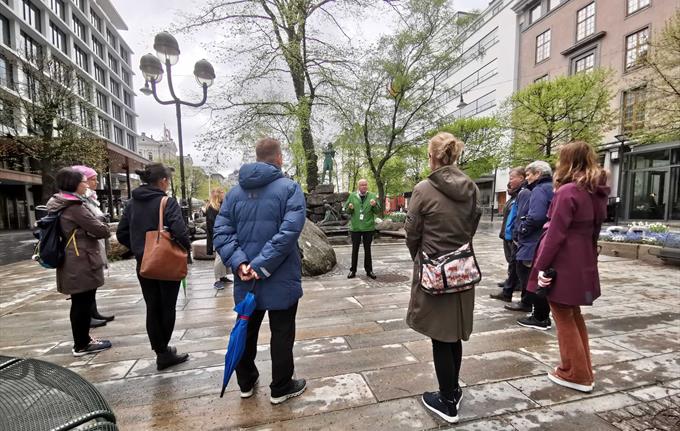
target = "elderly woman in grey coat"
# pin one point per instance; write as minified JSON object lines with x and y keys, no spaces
{"x":443,"y":215}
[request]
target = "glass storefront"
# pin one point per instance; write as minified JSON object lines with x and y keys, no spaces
{"x":653,"y":184}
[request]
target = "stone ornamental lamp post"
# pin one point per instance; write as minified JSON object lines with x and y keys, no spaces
{"x":167,"y":52}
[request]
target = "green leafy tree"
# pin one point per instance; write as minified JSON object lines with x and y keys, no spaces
{"x":549,"y":113}
{"x":662,"y":76}
{"x":392,"y":96}
{"x":43,"y":121}
{"x":484,"y":140}
{"x":284,"y":46}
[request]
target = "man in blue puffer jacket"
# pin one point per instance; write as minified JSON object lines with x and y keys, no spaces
{"x":256,"y":234}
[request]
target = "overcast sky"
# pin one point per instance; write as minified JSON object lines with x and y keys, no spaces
{"x":145,"y":18}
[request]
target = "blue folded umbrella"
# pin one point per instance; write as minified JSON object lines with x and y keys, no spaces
{"x":237,"y":339}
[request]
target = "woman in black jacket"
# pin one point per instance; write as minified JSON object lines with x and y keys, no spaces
{"x":139,"y":217}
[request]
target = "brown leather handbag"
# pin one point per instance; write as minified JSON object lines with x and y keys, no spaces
{"x":164,"y":258}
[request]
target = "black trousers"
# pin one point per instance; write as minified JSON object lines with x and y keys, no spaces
{"x":160,"y":298}
{"x":282,"y":327}
{"x":447,"y":358}
{"x":81,"y":304}
{"x":357,"y":239}
{"x":512,"y":282}
{"x":540,"y":305}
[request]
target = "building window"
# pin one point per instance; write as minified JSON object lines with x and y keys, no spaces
{"x":117,"y":112}
{"x":635,"y":5}
{"x":81,"y":58}
{"x":636,"y":47}
{"x":552,"y":4}
{"x":6,"y":73}
{"x":104,"y":127}
{"x":585,"y":21}
{"x":32,"y":49}
{"x":118,"y":136}
{"x":98,"y":48}
{"x":4,"y":23}
{"x":129,"y":121}
{"x":96,"y":21}
{"x":7,"y":122}
{"x":131,"y":142}
{"x":57,"y":7}
{"x":115,"y":87}
{"x":633,"y":110}
{"x":535,"y":14}
{"x":99,"y":74}
{"x":102,"y":101}
{"x":113,"y":64}
{"x":58,"y":38}
{"x":150,"y":156}
{"x":80,"y":4}
{"x":543,"y":46}
{"x":126,"y":77}
{"x":125,"y":55}
{"x":111,"y":38}
{"x":84,"y":89}
{"x":541,"y":78}
{"x":32,"y":15}
{"x":584,"y":64}
{"x":78,"y":28}
{"x":127,"y":99}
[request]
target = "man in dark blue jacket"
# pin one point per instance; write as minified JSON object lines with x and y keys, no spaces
{"x":256,"y":234}
{"x":532,"y":213}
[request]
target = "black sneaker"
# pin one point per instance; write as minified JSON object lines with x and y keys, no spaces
{"x":500,"y":284}
{"x":95,"y":346}
{"x":501,"y":296}
{"x":170,"y":358}
{"x":372,"y":275}
{"x":534,"y":323}
{"x":351,"y":274}
{"x":96,"y":323}
{"x":296,"y":388}
{"x":443,"y":407}
{"x":249,"y":393}
{"x":225,"y":280}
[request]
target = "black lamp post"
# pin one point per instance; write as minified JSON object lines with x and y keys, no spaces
{"x":622,"y":142}
{"x":167,"y":51}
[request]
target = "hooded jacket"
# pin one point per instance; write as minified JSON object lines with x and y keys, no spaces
{"x":83,"y":267}
{"x":532,"y":213}
{"x":260,"y":223}
{"x":141,"y":215}
{"x":569,"y":245}
{"x":362,"y":212}
{"x":443,"y":215}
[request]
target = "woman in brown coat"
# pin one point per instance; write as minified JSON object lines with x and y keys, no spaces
{"x":443,"y":215}
{"x":82,"y":271}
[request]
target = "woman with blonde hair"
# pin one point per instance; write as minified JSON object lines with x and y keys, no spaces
{"x":566,"y":271}
{"x":211,"y":211}
{"x":443,"y":215}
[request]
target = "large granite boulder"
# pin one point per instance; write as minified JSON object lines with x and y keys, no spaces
{"x":318,"y":256}
{"x":388,"y":225}
{"x":198,"y":249}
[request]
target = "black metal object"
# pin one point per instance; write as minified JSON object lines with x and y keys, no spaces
{"x":38,"y":395}
{"x":186,"y":207}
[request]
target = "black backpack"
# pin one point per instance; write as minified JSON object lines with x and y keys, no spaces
{"x":51,"y":247}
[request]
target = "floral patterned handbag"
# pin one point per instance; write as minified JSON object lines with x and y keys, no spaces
{"x":453,"y":272}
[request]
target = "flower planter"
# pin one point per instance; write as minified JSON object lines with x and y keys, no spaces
{"x":619,"y":249}
{"x":648,"y":253}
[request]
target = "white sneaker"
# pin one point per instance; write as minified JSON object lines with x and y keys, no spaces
{"x":570,"y":385}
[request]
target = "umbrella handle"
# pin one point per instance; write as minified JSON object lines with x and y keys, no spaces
{"x":252,"y":286}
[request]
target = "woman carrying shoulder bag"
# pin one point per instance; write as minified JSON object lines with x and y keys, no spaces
{"x":442,"y":217}
{"x":82,"y":271}
{"x":212,"y":209}
{"x":141,"y":215}
{"x":576,"y":213}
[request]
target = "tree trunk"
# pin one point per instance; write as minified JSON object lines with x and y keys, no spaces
{"x":381,"y":193}
{"x":310,"y":152}
{"x":49,"y":186}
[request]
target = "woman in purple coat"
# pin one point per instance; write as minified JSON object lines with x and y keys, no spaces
{"x":569,"y":247}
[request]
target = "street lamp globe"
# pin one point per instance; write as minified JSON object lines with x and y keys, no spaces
{"x":204,"y":73}
{"x":151,"y":68}
{"x":166,"y":47}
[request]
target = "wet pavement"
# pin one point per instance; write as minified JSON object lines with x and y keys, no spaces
{"x":365,"y":368}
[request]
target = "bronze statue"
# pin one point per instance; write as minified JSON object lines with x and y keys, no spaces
{"x":329,"y":154}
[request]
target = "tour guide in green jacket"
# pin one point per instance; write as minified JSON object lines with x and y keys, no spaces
{"x":363,"y":206}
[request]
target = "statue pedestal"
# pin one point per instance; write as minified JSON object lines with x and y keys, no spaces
{"x":323,"y":189}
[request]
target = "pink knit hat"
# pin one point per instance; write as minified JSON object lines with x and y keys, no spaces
{"x":85,"y":170}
